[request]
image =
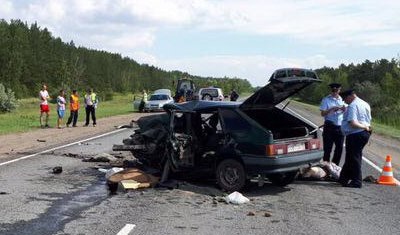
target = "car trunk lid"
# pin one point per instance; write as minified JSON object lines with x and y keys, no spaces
{"x":282,"y":84}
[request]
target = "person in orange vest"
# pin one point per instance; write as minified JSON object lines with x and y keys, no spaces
{"x":74,"y":108}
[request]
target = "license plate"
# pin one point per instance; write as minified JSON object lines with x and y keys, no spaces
{"x":296,"y":147}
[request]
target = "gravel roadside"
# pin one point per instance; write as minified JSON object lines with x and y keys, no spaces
{"x":17,"y":144}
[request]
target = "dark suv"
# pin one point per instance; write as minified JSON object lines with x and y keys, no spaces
{"x":234,"y":141}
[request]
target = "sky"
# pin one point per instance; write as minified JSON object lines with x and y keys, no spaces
{"x":246,"y":39}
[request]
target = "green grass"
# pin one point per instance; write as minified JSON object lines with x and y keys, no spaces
{"x":26,"y":117}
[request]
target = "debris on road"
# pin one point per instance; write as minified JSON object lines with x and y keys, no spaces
{"x":236,"y":198}
{"x":267,"y":214}
{"x":110,"y":172}
{"x":144,"y":180}
{"x":102,"y":157}
{"x":370,"y":179}
{"x":88,"y":143}
{"x":251,"y":213}
{"x":57,"y":170}
{"x":40,"y":140}
{"x":132,"y":184}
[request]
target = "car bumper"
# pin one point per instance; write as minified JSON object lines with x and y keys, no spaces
{"x":267,"y":165}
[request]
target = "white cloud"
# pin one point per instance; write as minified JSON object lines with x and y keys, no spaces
{"x":131,"y":27}
{"x":6,"y":8}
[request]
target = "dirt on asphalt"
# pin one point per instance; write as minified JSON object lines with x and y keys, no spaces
{"x":17,"y":144}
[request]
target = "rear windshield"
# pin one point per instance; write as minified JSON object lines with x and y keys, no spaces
{"x":294,"y":73}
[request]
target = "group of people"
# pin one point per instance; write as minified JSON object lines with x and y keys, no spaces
{"x":90,"y":100}
{"x":347,"y":120}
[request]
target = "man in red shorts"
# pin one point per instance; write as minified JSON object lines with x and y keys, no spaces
{"x":44,"y":106}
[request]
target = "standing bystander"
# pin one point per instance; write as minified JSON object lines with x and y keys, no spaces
{"x":332,"y":108}
{"x":44,"y":106}
{"x":234,"y":95}
{"x":90,"y":106}
{"x":60,"y":108}
{"x":73,"y":108}
{"x":143,"y":102}
{"x":356,"y":126}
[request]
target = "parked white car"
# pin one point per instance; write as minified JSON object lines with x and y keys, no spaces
{"x":211,"y":93}
{"x":157,"y":100}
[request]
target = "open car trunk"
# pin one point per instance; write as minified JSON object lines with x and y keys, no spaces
{"x":282,"y":124}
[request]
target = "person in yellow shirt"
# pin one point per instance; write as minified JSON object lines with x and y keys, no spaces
{"x":74,"y":108}
{"x":90,"y":106}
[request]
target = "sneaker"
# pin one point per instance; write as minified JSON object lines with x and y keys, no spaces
{"x":67,"y":125}
{"x":74,"y":126}
{"x":86,"y":125}
{"x":47,"y":126}
{"x":94,"y":125}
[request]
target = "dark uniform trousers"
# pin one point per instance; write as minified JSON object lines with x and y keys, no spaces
{"x":352,"y":167}
{"x":332,"y":134}
{"x":90,"y":110}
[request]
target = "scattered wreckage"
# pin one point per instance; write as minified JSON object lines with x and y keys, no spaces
{"x":231,"y":141}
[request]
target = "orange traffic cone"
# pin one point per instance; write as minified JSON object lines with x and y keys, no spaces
{"x":386,"y":177}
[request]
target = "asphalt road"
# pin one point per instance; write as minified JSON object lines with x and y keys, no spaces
{"x":35,"y":201}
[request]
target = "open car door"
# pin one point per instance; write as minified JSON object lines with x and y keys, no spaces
{"x":282,"y":84}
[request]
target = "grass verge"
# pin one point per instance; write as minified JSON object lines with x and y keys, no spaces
{"x":26,"y":117}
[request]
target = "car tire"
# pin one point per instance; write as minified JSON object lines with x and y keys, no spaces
{"x":231,"y":175}
{"x":207,"y":97}
{"x":282,"y":179}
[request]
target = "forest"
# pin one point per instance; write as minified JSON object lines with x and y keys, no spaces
{"x":376,"y":82}
{"x":30,"y":56}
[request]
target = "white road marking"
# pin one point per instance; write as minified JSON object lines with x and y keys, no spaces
{"x":60,"y":147}
{"x":126,"y":229}
{"x":364,"y":158}
{"x":372,"y":164}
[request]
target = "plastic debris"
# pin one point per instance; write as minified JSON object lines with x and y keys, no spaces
{"x":236,"y":198}
{"x":110,"y":172}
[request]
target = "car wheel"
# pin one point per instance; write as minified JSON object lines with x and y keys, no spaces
{"x":206,"y":97}
{"x":231,"y":175}
{"x":282,"y":179}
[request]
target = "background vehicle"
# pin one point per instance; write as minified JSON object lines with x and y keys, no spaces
{"x":185,"y":90}
{"x":233,"y":141}
{"x":211,"y":93}
{"x":157,"y":100}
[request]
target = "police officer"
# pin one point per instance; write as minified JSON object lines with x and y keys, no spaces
{"x":90,"y":106}
{"x":332,"y":108}
{"x":356,"y":126}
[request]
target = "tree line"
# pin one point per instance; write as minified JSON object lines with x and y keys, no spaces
{"x":30,"y":56}
{"x":376,"y":82}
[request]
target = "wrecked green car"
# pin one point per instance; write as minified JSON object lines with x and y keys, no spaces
{"x":233,"y":141}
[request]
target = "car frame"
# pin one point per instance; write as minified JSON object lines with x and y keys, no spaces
{"x":233,"y":141}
